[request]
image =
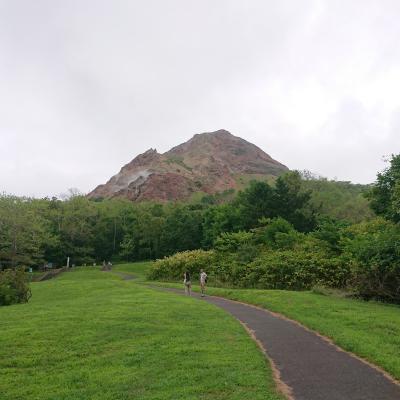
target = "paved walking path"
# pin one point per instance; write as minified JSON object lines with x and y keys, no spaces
{"x":312,"y":367}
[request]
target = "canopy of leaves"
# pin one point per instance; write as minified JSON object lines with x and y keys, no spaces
{"x":36,"y":231}
{"x":385,"y":194}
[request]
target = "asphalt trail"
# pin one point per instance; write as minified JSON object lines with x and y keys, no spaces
{"x":313,"y":368}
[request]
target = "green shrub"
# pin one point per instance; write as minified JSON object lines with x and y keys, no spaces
{"x":295,"y":270}
{"x":14,"y":287}
{"x":373,"y":251}
{"x":275,"y":227}
{"x":231,"y":242}
{"x":330,"y":232}
{"x":173,"y":267}
{"x":289,"y":240}
{"x":237,"y":248}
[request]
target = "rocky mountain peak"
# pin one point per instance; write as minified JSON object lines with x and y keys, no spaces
{"x":209,"y":162}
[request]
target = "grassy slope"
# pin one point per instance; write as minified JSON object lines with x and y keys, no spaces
{"x":90,"y":335}
{"x":370,"y":330}
{"x":138,"y":269}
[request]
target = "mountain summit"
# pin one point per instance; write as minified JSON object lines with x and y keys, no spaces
{"x":209,"y":162}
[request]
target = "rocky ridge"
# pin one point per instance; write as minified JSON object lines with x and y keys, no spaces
{"x":209,"y":162}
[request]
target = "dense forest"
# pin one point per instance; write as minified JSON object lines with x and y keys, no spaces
{"x":37,"y":231}
{"x":298,"y":213}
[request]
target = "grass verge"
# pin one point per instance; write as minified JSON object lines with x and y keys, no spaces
{"x":91,"y":335}
{"x":370,"y":330}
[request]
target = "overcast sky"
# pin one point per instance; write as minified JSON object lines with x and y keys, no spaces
{"x":86,"y":85}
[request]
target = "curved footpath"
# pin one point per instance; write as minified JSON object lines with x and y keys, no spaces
{"x":309,"y":365}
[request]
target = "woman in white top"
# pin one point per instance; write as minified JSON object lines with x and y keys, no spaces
{"x":187,"y":282}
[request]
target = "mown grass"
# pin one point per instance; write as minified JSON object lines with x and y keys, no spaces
{"x":370,"y":330}
{"x":90,"y":335}
{"x":138,"y":269}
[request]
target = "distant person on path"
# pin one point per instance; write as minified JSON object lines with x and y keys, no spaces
{"x":187,"y":282}
{"x":203,"y":281}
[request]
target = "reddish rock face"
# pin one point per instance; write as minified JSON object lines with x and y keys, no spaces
{"x":209,"y":162}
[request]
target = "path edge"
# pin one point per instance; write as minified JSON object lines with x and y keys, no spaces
{"x":321,"y":336}
{"x":324,"y":338}
{"x":281,"y":386}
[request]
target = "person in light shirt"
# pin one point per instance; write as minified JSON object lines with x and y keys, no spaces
{"x":203,"y":281}
{"x":187,"y":283}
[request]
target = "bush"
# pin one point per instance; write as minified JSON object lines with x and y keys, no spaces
{"x":364,"y":258}
{"x":275,"y":227}
{"x":295,"y":270}
{"x":330,"y":232}
{"x":230,"y":242}
{"x":283,"y":269}
{"x":14,"y":287}
{"x":237,"y":248}
{"x":373,"y":251}
{"x":173,"y":267}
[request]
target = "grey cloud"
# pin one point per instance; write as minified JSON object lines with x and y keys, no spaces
{"x":87,"y":85}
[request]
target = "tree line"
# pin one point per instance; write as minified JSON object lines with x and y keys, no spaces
{"x":37,"y":231}
{"x":297,"y":247}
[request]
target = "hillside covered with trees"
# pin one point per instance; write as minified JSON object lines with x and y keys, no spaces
{"x":295,"y":233}
{"x":37,"y":231}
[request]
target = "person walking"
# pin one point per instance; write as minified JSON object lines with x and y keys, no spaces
{"x":187,"y":282}
{"x":203,"y":281}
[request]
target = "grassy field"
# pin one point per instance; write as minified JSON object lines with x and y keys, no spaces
{"x":369,"y":329}
{"x":90,"y":335}
{"x":138,"y":269}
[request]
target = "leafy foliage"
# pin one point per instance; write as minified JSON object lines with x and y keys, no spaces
{"x":385,"y":194}
{"x":293,"y":202}
{"x":14,"y":287}
{"x":295,"y":270}
{"x":36,"y":231}
{"x":330,"y":232}
{"x":275,"y":232}
{"x":373,"y":250}
{"x":173,"y":267}
{"x":287,"y":199}
{"x":294,"y":234}
{"x":24,"y":233}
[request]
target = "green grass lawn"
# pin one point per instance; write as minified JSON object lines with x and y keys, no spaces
{"x":138,"y":269}
{"x":90,"y":335}
{"x":369,"y":329}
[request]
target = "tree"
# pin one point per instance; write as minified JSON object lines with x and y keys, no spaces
{"x":385,"y":194}
{"x":292,"y":202}
{"x":330,"y":231}
{"x":373,"y":250}
{"x":23,"y":233}
{"x":182,"y":229}
{"x":219,"y":219}
{"x":78,"y":217}
{"x":274,"y":227}
{"x":14,"y":286}
{"x":339,"y":200}
{"x":256,"y":202}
